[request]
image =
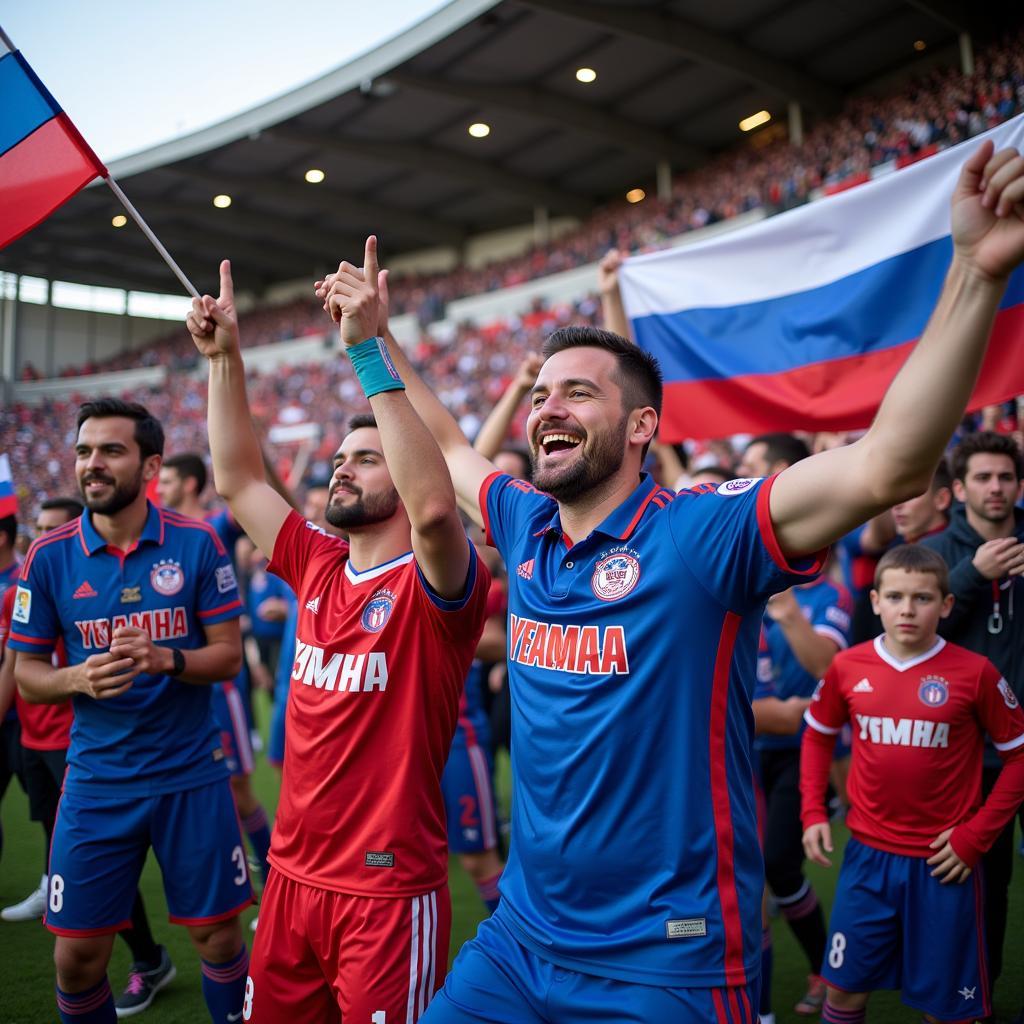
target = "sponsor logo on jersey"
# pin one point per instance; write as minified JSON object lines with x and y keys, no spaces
{"x":582,"y":650}
{"x":616,"y":573}
{"x":22,"y":605}
{"x":817,"y":690}
{"x":378,"y":610}
{"x":933,"y":691}
{"x":1009,"y":697}
{"x":131,"y":595}
{"x":864,"y":686}
{"x":525,"y":569}
{"x":733,"y":487}
{"x":903,"y":732}
{"x":225,"y":576}
{"x":379,"y":859}
{"x":167,"y":577}
{"x":313,"y":604}
{"x":837,"y":617}
{"x":315,"y":528}
{"x":341,"y":673}
{"x":85,"y":590}
{"x":686,"y":928}
{"x":159,"y":624}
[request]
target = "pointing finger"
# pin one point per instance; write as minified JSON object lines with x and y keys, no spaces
{"x":370,"y":259}
{"x":227,"y":285}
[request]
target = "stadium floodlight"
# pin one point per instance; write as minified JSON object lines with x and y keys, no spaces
{"x":636,"y":195}
{"x":479,"y":130}
{"x":755,"y":121}
{"x":119,"y":221}
{"x":222,"y":202}
{"x":585,"y":75}
{"x":314,"y":175}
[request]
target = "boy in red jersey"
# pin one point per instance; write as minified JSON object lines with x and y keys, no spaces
{"x":356,"y":915}
{"x":907,"y":913}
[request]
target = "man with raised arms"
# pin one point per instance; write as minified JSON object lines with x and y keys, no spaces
{"x":355,"y":916}
{"x":633,"y":886}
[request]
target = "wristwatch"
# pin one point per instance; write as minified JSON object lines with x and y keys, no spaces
{"x":179,"y":662}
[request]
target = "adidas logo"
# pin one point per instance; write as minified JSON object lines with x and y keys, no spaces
{"x":85,"y":590}
{"x":525,"y":569}
{"x":314,"y":604}
{"x":864,"y":687}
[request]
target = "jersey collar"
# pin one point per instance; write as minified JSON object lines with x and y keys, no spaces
{"x":901,"y":666}
{"x":153,"y":531}
{"x":620,"y":523}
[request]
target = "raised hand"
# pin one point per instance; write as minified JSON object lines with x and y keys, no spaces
{"x":353,"y":296}
{"x":213,"y":323}
{"x":608,"y":271}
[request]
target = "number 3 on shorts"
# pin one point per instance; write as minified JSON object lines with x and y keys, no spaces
{"x":836,"y":954}
{"x":56,"y":893}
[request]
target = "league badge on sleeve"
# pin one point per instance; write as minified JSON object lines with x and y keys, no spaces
{"x":733,"y":487}
{"x":22,"y":605}
{"x":1009,"y":697}
{"x":615,"y":574}
{"x":167,"y":577}
{"x":225,"y":579}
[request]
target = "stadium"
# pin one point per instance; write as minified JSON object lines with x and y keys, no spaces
{"x":499,"y":150}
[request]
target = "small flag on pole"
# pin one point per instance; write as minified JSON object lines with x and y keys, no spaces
{"x":44,"y":161}
{"x":8,"y":499}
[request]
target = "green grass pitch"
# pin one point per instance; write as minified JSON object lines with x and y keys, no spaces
{"x":26,"y":968}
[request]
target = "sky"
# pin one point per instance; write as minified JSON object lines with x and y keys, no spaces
{"x":134,"y":73}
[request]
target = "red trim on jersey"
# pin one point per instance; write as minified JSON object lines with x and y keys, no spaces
{"x":220,"y":608}
{"x":30,"y":639}
{"x":771,"y":542}
{"x":734,"y":1006}
{"x":216,"y":918}
{"x":177,"y":519}
{"x":716,"y":998}
{"x":638,"y":515}
{"x":748,"y":1012}
{"x":735,"y":972}
{"x":61,"y":533}
{"x":485,"y":489}
{"x":86,"y":933}
{"x":979,"y":926}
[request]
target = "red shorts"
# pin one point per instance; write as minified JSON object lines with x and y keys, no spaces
{"x":323,"y":956}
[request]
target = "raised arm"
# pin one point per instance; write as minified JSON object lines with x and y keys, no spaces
{"x":612,"y":309}
{"x":817,"y":500}
{"x":238,"y":468}
{"x":495,"y":429}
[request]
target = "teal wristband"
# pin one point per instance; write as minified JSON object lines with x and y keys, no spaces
{"x":373,"y":366}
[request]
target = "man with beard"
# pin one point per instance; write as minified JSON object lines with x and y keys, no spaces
{"x":633,"y":885}
{"x":984,"y":549}
{"x":146,"y":605}
{"x":356,"y":914}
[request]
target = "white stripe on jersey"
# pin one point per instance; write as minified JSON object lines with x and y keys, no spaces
{"x":485,"y":801}
{"x":414,"y":955}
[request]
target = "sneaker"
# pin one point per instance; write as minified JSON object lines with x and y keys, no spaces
{"x":31,"y":908}
{"x":143,"y":985}
{"x":813,"y":1001}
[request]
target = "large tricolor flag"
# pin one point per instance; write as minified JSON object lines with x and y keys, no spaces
{"x":44,"y":161}
{"x":8,"y":499}
{"x":801,"y":321}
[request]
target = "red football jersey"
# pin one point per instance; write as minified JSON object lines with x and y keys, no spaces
{"x":379,"y":666}
{"x":918,"y":735}
{"x":43,"y":726}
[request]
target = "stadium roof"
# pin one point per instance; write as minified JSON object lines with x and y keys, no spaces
{"x":389,"y":130}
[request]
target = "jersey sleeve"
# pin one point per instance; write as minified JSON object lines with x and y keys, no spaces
{"x":35,"y":623}
{"x":727,"y":539}
{"x":298,"y":543}
{"x":999,"y":712}
{"x":218,"y":588}
{"x":508,"y":507}
{"x":824,"y":717}
{"x":828,"y":711}
{"x":464,"y":616}
{"x":833,"y":618}
{"x":6,"y":608}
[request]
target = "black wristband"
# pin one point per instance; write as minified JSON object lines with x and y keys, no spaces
{"x":179,"y":662}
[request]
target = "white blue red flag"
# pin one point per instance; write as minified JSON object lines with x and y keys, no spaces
{"x":802,"y":320}
{"x":44,"y":161}
{"x":8,"y":499}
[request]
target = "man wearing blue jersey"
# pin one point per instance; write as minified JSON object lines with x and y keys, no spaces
{"x":146,"y":605}
{"x":633,"y":886}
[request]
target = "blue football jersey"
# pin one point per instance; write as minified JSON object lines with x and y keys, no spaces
{"x":632,"y":653}
{"x":159,"y":735}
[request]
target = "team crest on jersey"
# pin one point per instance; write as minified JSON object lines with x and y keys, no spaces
{"x":167,"y":577}
{"x":616,"y":573}
{"x":378,"y":610}
{"x":933,"y":691}
{"x":1009,"y":697}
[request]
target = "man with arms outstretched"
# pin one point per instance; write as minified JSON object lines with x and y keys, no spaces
{"x":633,"y":885}
{"x":355,"y":916}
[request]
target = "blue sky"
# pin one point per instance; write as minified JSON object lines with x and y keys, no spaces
{"x":134,"y":73}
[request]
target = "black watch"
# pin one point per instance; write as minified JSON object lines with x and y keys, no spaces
{"x":179,"y":662}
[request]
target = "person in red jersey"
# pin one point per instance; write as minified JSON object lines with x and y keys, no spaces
{"x":355,"y":917}
{"x":908,"y":911}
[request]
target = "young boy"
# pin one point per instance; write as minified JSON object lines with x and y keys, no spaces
{"x":908,"y":912}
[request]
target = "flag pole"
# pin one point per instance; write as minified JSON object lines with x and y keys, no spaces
{"x":148,"y":232}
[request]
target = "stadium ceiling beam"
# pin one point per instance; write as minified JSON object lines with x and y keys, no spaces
{"x":383,"y":218}
{"x":949,"y":12}
{"x":702,"y":46}
{"x":482,"y":173}
{"x":565,"y":113}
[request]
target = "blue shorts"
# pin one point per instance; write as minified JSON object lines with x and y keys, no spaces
{"x":100,"y":845}
{"x":227,"y":702}
{"x":275,"y":742}
{"x":469,"y":796}
{"x":497,"y":980}
{"x":894,"y":926}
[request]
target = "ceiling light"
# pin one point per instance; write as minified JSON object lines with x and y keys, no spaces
{"x":314,"y":175}
{"x":479,"y":130}
{"x":119,"y":221}
{"x":222,"y":202}
{"x":636,"y":195}
{"x":585,"y":75}
{"x":919,"y":45}
{"x":755,"y":121}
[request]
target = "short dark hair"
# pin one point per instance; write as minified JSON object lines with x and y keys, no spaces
{"x":914,"y":558}
{"x":9,"y":525}
{"x":522,"y":455}
{"x":942,"y":477}
{"x":72,"y":506}
{"x":149,"y":435}
{"x":189,"y":466}
{"x":360,"y":420}
{"x":985,"y":442}
{"x":781,"y":447}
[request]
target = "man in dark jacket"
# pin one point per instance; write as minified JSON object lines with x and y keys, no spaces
{"x":984,"y":548}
